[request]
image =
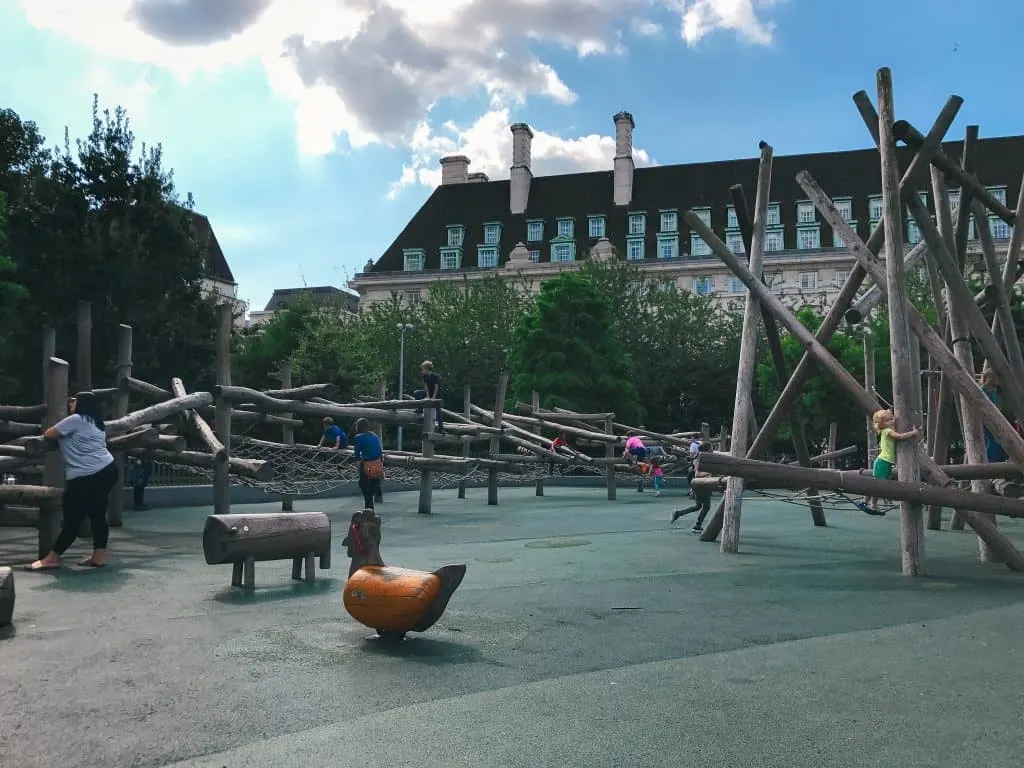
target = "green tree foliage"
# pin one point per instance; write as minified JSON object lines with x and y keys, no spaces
{"x":12,"y":294}
{"x":565,"y":348}
{"x":104,"y":224}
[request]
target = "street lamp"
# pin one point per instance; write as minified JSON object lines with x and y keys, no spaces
{"x":402,"y":328}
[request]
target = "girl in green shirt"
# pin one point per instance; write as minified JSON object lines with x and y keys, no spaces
{"x":885,"y":462}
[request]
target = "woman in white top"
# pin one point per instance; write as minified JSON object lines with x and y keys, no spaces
{"x":89,"y":473}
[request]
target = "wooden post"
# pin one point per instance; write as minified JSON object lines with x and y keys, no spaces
{"x":931,"y":394}
{"x":609,"y":452}
{"x":705,"y":431}
{"x":833,"y":430}
{"x":287,"y":432}
{"x":53,"y":463}
{"x":499,"y":415}
{"x":222,"y":412}
{"x":427,"y":475}
{"x":535,"y":403}
{"x":49,"y":350}
{"x":83,"y":353}
{"x":467,"y":411}
{"x":748,"y":360}
{"x":871,"y":446}
{"x":1003,"y":326}
{"x":115,"y":507}
{"x":382,"y":395}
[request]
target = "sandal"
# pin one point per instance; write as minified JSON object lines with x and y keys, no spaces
{"x":33,"y":567}
{"x":90,"y":563}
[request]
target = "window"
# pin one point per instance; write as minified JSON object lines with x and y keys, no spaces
{"x":913,"y":232}
{"x":735,"y":242}
{"x":837,"y":240}
{"x":1000,"y":229}
{"x":999,"y":193}
{"x":565,"y":227}
{"x":634,"y":249}
{"x":840,"y":278}
{"x":596,"y":225}
{"x":734,"y":285}
{"x":414,"y":259}
{"x":702,"y":286}
{"x":704,"y":214}
{"x":808,"y":280}
{"x":773,"y":241}
{"x":637,"y":224}
{"x":534,"y":231}
{"x":805,"y":213}
{"x":492,"y":233}
{"x":697,"y":245}
{"x":451,"y":258}
{"x":954,"y":201}
{"x":636,"y":287}
{"x":808,"y":238}
{"x":561,"y":252}
{"x":922,"y":195}
{"x":844,"y":205}
{"x":668,"y":285}
{"x":668,"y":246}
{"x":774,"y":217}
{"x":455,"y":235}
{"x":730,"y":217}
{"x":669,"y":221}
{"x":875,"y":207}
{"x":410,"y":297}
{"x":535,"y":256}
{"x":486,"y":256}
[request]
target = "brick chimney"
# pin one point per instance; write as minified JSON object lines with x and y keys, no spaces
{"x":454,"y":169}
{"x":477,"y":177}
{"x":519,"y":186}
{"x":623,"y":179}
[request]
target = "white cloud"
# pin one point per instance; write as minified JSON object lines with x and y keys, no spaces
{"x":488,"y":145}
{"x":369,"y":71}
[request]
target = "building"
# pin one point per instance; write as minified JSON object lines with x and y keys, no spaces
{"x":346,"y":302}
{"x":530,"y":228}
{"x":217,"y":280}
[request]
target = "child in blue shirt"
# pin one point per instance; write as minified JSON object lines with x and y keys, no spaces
{"x":366,"y":448}
{"x":333,"y":436}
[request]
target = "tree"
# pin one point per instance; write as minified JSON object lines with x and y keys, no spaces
{"x":11,"y":294}
{"x":565,"y":348}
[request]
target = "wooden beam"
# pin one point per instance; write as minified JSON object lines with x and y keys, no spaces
{"x":51,"y":507}
{"x":199,"y":425}
{"x":272,"y":405}
{"x":499,"y":410}
{"x":22,"y":412}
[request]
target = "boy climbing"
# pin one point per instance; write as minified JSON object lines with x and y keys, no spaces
{"x":882,"y":421}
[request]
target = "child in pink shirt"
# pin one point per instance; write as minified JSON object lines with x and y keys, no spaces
{"x":659,"y":475}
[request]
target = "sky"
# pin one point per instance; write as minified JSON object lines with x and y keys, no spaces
{"x":310,"y":131}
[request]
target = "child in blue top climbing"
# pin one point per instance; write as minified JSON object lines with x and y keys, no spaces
{"x":333,"y":437}
{"x":431,"y":390}
{"x":366,"y":448}
{"x":990,"y":386}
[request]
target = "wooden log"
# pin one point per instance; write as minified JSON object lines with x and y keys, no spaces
{"x":1003,"y":326}
{"x":18,"y":428}
{"x":410,"y":404}
{"x":16,"y":493}
{"x":903,"y":382}
{"x":873,"y":295}
{"x":22,"y":412}
{"x":424,"y":507}
{"x":287,"y":433}
{"x":535,"y":408}
{"x":468,"y":414}
{"x":531,"y":421}
{"x":243,"y":416}
{"x":18,"y":451}
{"x":778,"y":357}
{"x":136,"y":439}
{"x":158,"y":412}
{"x":306,"y":392}
{"x":609,"y":455}
{"x":869,"y":385}
{"x":53,"y":464}
{"x":253,"y":469}
{"x":199,"y":425}
{"x":7,"y":596}
{"x":143,"y":388}
{"x":222,"y":412}
{"x":1011,"y":489}
{"x":748,"y":357}
{"x":83,"y":349}
{"x":559,"y":416}
{"x":499,"y":410}
{"x":1006,"y":470}
{"x":19,"y":516}
{"x":123,"y":369}
{"x":828,"y":457}
{"x":273,"y":405}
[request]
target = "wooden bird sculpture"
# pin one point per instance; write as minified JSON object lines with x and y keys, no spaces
{"x":386,"y":598}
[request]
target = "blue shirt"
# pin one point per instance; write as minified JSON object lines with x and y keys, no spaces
{"x":331,"y":435}
{"x":83,"y":446}
{"x":367,"y":446}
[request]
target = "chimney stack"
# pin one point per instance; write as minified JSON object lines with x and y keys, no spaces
{"x":519,"y":186}
{"x":455,"y":169}
{"x":478,"y":177}
{"x":623,"y":177}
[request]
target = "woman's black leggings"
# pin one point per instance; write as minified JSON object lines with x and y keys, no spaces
{"x":86,"y":497}
{"x":369,"y":486}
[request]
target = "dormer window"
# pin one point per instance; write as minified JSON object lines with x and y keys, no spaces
{"x":456,"y":235}
{"x":805,"y":212}
{"x":704,"y":214}
{"x":492,"y":233}
{"x":597,"y":226}
{"x":669,"y":222}
{"x":637,"y":224}
{"x":534,"y":231}
{"x":415,"y":258}
{"x":774,"y":216}
{"x":566,"y":227}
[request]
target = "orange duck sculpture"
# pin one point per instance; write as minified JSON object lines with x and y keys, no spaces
{"x":386,"y":598}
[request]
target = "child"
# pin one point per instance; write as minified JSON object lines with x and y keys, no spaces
{"x":333,"y":436}
{"x":557,"y":443}
{"x":368,"y":450}
{"x":658,"y":473}
{"x":882,"y":422}
{"x":702,"y":496}
{"x":990,"y":386}
{"x":635,"y":449}
{"x":431,"y":390}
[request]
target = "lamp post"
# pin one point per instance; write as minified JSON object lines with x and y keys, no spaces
{"x":402,"y":328}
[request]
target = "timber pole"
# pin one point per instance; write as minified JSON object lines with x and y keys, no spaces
{"x":51,"y":509}
{"x":115,"y":505}
{"x":83,"y":350}
{"x":498,"y":417}
{"x":222,"y":411}
{"x":287,"y":432}
{"x":535,"y":404}
{"x":467,"y":412}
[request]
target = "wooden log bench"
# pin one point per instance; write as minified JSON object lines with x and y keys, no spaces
{"x":243,"y":539}
{"x":6,"y":596}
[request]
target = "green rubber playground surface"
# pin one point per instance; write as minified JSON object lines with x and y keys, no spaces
{"x":586,"y":633}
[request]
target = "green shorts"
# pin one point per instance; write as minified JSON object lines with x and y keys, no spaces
{"x":882,"y":469}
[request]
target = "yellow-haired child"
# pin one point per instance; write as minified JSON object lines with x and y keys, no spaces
{"x":882,"y":421}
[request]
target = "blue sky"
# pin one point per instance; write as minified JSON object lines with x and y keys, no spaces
{"x":309,"y":154}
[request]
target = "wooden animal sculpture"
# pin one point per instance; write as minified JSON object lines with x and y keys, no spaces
{"x":389,"y":599}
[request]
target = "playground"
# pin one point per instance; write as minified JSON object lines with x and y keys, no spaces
{"x":587,"y":632}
